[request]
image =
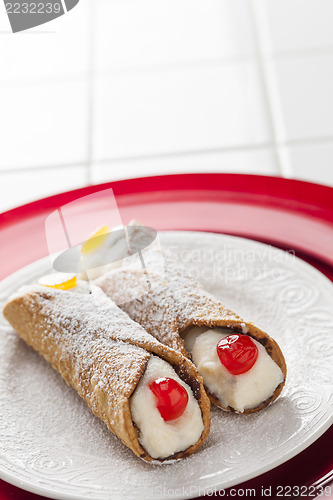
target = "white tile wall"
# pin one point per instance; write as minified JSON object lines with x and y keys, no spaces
{"x":312,"y":162}
{"x":43,"y":124}
{"x":149,"y":32}
{"x":260,"y":161}
{"x":122,"y":88}
{"x":298,"y":25}
{"x":304,"y":91}
{"x":25,"y":186}
{"x":175,"y":111}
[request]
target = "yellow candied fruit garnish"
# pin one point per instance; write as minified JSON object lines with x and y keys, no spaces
{"x":96,"y":240}
{"x":60,"y":281}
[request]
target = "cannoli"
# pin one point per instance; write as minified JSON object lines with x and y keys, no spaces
{"x":242,"y":367}
{"x":147,"y":394}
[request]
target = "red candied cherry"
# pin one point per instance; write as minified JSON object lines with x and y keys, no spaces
{"x":237,"y":353}
{"x":171,"y":398}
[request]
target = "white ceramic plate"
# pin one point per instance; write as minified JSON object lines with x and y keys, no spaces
{"x":52,"y":444}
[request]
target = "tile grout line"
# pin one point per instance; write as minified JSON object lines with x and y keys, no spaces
{"x":162,"y":67}
{"x":325,"y":50}
{"x":41,"y":168}
{"x":166,"y":67}
{"x":266,"y":90}
{"x":175,"y":154}
{"x":184,"y":154}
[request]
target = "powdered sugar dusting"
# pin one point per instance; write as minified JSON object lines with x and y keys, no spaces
{"x":99,"y":350}
{"x":163,"y":297}
{"x":147,"y":300}
{"x":97,"y":314}
{"x":54,"y":444}
{"x":193,"y":303}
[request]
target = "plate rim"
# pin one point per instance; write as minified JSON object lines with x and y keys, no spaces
{"x":178,"y":182}
{"x":27,"y":485}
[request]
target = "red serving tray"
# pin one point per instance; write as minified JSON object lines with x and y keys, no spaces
{"x":289,"y":214}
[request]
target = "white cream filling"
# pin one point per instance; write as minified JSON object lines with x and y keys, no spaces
{"x":240,"y":392}
{"x":159,"y":438}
